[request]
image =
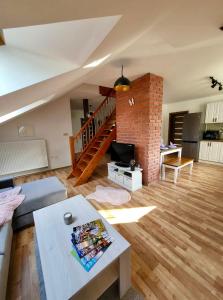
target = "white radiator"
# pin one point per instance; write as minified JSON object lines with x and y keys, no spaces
{"x":22,"y":156}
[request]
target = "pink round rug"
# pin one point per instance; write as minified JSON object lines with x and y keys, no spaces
{"x":110,"y":194}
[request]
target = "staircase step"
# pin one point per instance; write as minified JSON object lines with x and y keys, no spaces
{"x":107,"y":130}
{"x":82,"y":166}
{"x":109,"y":127}
{"x":86,"y":160}
{"x":77,"y":172}
{"x":100,"y":141}
{"x":104,"y":134}
{"x":95,"y":160}
{"x":110,"y":124}
{"x":89,"y":156}
{"x":91,"y":152}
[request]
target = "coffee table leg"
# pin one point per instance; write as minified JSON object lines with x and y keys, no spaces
{"x":163,"y":172}
{"x":175,"y":175}
{"x":124,"y":273}
{"x":191,"y":168}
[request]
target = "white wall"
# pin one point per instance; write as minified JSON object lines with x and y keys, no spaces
{"x":51,"y":122}
{"x":76,"y":114}
{"x":194,"y":105}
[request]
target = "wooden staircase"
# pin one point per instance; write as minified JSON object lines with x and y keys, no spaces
{"x":86,"y":156}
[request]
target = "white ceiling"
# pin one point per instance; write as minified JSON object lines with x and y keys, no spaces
{"x":85,"y":91}
{"x":176,"y":39}
{"x":184,"y":47}
{"x":36,"y":53}
{"x":71,"y":41}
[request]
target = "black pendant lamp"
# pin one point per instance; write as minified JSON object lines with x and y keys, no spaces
{"x":122,"y":84}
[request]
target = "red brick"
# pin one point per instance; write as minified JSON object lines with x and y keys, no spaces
{"x":140,"y":124}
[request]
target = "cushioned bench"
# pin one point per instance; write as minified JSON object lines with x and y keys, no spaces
{"x":39,"y":194}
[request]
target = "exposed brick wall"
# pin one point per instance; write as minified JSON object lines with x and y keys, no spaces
{"x":140,"y":124}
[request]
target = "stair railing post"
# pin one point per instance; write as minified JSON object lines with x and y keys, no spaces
{"x":72,"y":152}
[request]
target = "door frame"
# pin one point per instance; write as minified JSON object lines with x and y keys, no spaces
{"x":171,"y":115}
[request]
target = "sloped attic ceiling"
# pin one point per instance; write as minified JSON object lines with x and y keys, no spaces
{"x":128,"y":28}
{"x":176,"y":39}
{"x":70,"y":41}
{"x":36,"y":53}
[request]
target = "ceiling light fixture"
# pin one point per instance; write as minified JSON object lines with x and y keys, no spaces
{"x":122,"y":84}
{"x":215,"y":82}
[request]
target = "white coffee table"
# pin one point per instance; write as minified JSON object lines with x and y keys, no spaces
{"x":64,"y":277}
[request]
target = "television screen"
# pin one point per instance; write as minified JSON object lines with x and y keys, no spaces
{"x":121,"y":152}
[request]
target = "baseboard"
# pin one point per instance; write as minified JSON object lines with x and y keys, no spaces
{"x":211,"y":163}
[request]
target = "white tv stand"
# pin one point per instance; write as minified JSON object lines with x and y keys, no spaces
{"x":131,"y":180}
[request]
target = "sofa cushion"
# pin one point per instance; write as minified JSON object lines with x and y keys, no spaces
{"x":2,"y":278}
{"x":5,"y":237}
{"x":40,"y":193}
{"x":22,"y":221}
{"x":4,"y":269}
{"x":5,"y":247}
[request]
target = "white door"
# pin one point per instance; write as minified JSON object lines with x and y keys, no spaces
{"x":220,"y":152}
{"x":213,"y":151}
{"x":219,"y":112}
{"x":204,"y":150}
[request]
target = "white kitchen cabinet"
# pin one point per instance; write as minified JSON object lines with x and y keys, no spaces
{"x":211,"y":151}
{"x":214,"y":112}
{"x":210,"y":112}
{"x":220,"y":112}
{"x":204,"y":150}
{"x":221,"y":153}
{"x":214,"y":151}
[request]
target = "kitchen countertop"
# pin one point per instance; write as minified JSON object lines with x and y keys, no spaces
{"x":212,"y":141}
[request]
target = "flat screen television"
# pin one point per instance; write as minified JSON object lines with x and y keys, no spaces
{"x":122,"y":153}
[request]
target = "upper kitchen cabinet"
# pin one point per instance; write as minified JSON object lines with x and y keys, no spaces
{"x":220,"y":112}
{"x":214,"y":112}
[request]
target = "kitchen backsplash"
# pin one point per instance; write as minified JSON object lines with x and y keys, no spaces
{"x":216,"y":126}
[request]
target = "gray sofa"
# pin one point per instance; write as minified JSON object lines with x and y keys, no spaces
{"x":5,"y":251}
{"x":39,"y":194}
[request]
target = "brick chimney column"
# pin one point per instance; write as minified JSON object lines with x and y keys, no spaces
{"x":140,"y":123}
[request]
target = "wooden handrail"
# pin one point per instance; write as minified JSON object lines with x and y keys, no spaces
{"x":89,"y":120}
{"x":89,"y":130}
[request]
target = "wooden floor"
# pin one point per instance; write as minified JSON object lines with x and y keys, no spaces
{"x":176,"y":232}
